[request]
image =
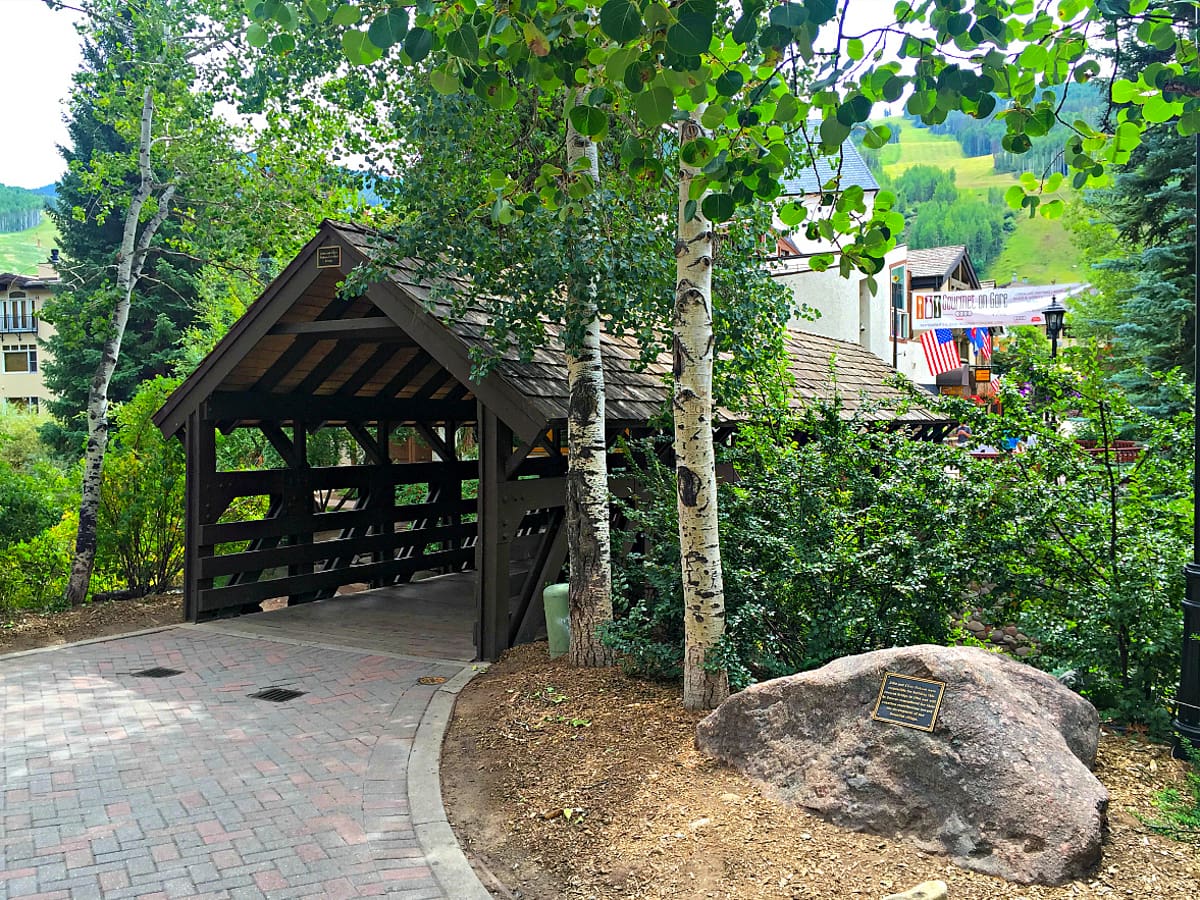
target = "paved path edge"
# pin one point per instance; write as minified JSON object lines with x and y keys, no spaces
{"x":438,"y":843}
{"x":103,"y":639}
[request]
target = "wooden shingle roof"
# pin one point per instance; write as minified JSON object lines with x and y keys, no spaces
{"x":398,"y":353}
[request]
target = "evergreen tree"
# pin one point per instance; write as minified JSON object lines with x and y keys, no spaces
{"x":160,"y":310}
{"x":1146,"y":268}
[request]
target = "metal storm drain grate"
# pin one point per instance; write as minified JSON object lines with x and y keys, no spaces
{"x":157,"y":672}
{"x":277,"y":695}
{"x":431,"y":679}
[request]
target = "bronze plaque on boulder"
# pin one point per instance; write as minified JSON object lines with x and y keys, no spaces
{"x":908,"y":701}
{"x":329,"y":257}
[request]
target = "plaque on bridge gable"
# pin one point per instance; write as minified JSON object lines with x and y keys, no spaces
{"x":329,"y":257}
{"x":909,"y":701}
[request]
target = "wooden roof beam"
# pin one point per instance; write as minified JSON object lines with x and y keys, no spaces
{"x":367,"y":370}
{"x":287,"y":361}
{"x":370,"y":328}
{"x":410,"y":370}
{"x":321,"y":371}
{"x":257,"y":406}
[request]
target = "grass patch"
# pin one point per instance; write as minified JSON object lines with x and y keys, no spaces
{"x":21,"y":251}
{"x":1040,"y":250}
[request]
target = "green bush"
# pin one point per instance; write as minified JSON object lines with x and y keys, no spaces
{"x":858,"y":538}
{"x":33,"y":573}
{"x":26,"y":507}
{"x":851,"y":541}
{"x":140,"y":529}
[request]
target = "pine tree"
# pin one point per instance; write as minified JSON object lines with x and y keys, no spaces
{"x":159,"y":312}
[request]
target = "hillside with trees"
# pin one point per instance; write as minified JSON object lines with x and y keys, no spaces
{"x":1031,"y":247}
{"x":20,"y":209}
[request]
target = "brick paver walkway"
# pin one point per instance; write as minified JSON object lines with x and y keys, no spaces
{"x":113,"y":785}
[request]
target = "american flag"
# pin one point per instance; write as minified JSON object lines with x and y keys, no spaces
{"x":995,"y":384}
{"x":940,"y":350}
{"x":981,"y":340}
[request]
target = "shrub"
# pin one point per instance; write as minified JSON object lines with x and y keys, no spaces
{"x":850,"y":541}
{"x":858,"y":538}
{"x":140,"y":528}
{"x":33,"y":573}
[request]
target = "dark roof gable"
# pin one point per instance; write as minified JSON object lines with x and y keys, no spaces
{"x":853,"y":171}
{"x":300,"y":340}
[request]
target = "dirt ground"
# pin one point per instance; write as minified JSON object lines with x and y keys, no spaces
{"x":585,"y":784}
{"x":89,"y":621}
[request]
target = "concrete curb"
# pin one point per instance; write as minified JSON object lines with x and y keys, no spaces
{"x":437,"y":840}
{"x":96,"y":640}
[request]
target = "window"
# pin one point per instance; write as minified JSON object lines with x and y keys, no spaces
{"x":19,"y":404}
{"x":901,"y":324}
{"x":22,"y":358}
{"x":17,"y":313}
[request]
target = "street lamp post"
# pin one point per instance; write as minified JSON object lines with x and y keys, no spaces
{"x":1054,"y":323}
{"x":1187,"y":698}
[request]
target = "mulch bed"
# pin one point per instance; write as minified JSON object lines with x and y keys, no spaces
{"x":585,"y":784}
{"x":91,"y":620}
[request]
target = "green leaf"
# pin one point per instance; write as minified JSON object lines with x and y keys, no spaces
{"x":787,"y":108}
{"x":729,"y":83}
{"x":444,"y":81}
{"x":746,"y":27}
{"x":655,"y":106}
{"x":282,"y":44}
{"x":589,"y":120}
{"x":496,"y":90}
{"x":359,"y":50}
{"x":388,"y":30}
{"x":698,"y":152}
{"x":345,"y":16}
{"x":418,"y":43}
{"x":855,"y":49}
{"x":692,"y":33}
{"x":256,"y":36}
{"x":718,"y":207}
{"x":620,"y":20}
{"x":1014,"y":196}
{"x":689,"y":210}
{"x":714,"y":114}
{"x":318,"y":11}
{"x":463,"y":43}
{"x":792,"y":214}
{"x":834,"y":133}
{"x":789,"y":15}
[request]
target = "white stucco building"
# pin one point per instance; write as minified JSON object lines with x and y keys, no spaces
{"x":845,"y":308}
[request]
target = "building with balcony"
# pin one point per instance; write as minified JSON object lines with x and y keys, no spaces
{"x":21,"y":331}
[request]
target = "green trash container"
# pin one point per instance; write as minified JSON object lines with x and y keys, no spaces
{"x":558,"y":618}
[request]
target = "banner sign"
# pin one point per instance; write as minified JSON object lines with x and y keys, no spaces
{"x":1016,"y":305}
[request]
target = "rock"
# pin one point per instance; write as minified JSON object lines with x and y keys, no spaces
{"x":996,"y":636}
{"x":975,"y":626}
{"x":926,"y":890}
{"x":1001,"y":784}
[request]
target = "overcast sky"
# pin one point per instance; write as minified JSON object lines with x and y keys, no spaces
{"x":41,"y":51}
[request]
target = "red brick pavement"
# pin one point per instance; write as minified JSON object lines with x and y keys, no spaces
{"x":118,"y":786}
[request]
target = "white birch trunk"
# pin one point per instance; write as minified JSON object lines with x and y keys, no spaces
{"x":703,"y":589}
{"x":589,"y":547}
{"x":130,"y":259}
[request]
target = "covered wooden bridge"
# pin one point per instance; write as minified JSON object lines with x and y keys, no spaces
{"x":304,"y":358}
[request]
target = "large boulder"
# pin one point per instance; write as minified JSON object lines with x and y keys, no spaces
{"x":1002,"y":784}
